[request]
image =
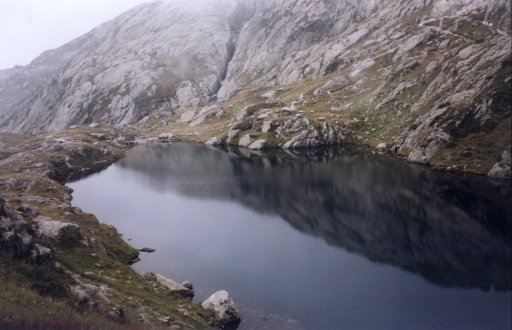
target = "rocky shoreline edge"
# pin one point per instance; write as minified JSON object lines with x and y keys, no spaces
{"x":80,"y":262}
{"x":61,"y":266}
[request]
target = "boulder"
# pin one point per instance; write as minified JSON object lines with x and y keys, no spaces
{"x":267,"y":126}
{"x":499,"y":170}
{"x":381,"y":146}
{"x":223,"y":308}
{"x":58,"y":230}
{"x":187,"y":116}
{"x":245,"y":141}
{"x":232,"y":134}
{"x":198,"y":121}
{"x":41,"y":254}
{"x":174,"y":287}
{"x":214,"y":141}
{"x":270,"y":96}
{"x":258,"y":145}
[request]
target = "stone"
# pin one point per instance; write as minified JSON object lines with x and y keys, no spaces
{"x":165,"y":137}
{"x":232,"y":134}
{"x":214,"y":141}
{"x":245,"y":141}
{"x":187,"y":116}
{"x":174,"y":287}
{"x":270,"y":96}
{"x":500,"y":171}
{"x":147,"y":250}
{"x":258,"y":145}
{"x":41,"y":254}
{"x":381,"y":146}
{"x":198,"y":121}
{"x":29,"y":210}
{"x":223,"y":307}
{"x":266,"y":127}
{"x":333,"y":85}
{"x":57,"y":230}
{"x":220,"y":114}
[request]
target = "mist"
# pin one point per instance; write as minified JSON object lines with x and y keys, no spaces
{"x":30,"y":27}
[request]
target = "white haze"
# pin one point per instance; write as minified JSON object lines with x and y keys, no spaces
{"x":29,"y":27}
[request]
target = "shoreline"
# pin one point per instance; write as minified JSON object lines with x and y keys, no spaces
{"x":92,"y":269}
{"x":33,"y":180}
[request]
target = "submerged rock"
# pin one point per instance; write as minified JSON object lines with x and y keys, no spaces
{"x":223,"y":307}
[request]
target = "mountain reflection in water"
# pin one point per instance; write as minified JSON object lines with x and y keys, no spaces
{"x":453,"y":230}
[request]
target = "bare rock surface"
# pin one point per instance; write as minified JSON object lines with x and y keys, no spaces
{"x":58,"y":230}
{"x":223,"y":307}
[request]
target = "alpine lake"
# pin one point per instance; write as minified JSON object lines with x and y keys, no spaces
{"x":332,"y":238}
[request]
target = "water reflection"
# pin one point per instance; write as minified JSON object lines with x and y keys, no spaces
{"x":454,"y":231}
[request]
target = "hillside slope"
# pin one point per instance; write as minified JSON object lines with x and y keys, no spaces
{"x":428,"y":79}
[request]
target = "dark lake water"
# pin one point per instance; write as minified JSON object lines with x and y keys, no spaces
{"x":325,"y":239}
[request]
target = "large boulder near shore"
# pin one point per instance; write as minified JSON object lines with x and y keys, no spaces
{"x":61,"y":231}
{"x":223,"y":307}
{"x":174,"y":287}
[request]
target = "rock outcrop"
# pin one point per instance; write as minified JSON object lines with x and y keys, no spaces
{"x":150,"y":59}
{"x":20,"y":240}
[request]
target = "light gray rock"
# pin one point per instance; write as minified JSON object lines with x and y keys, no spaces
{"x":58,"y":230}
{"x":198,"y":121}
{"x":174,"y":287}
{"x":381,"y":146}
{"x":324,"y":135}
{"x":258,"y":145}
{"x":41,"y":254}
{"x":153,"y":58}
{"x":333,"y":85}
{"x":266,"y":127}
{"x":187,"y":116}
{"x":214,"y":141}
{"x":232,"y":134}
{"x":245,"y":141}
{"x":223,"y":307}
{"x":500,"y":171}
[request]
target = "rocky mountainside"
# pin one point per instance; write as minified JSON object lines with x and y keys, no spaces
{"x":429,"y":79}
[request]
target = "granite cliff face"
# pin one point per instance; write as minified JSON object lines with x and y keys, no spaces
{"x":428,"y":79}
{"x":152,"y":58}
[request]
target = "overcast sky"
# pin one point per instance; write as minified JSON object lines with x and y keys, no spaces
{"x":29,"y":27}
